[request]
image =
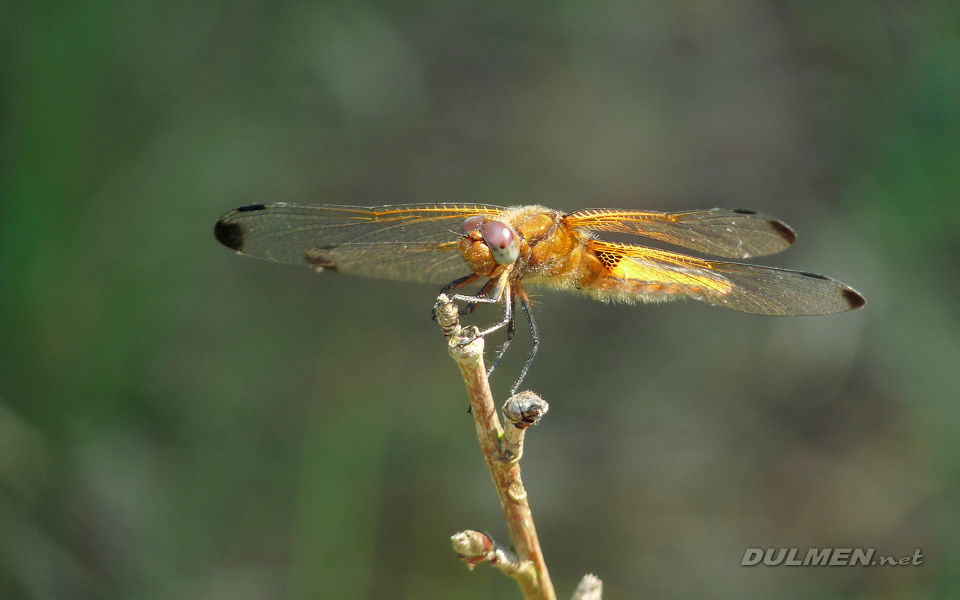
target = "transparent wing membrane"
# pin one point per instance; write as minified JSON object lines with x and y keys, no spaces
{"x":728,"y":233}
{"x":404,"y":242}
{"x":755,"y":289}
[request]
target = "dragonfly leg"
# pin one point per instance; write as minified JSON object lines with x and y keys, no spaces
{"x":495,"y":291}
{"x":459,"y":282}
{"x":504,"y":296}
{"x":511,"y":330}
{"x":525,"y":305}
{"x":483,"y":293}
{"x":456,"y":283}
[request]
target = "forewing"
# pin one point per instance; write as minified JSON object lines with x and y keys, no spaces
{"x":403,"y":242}
{"x":724,"y":232}
{"x":656,"y":274}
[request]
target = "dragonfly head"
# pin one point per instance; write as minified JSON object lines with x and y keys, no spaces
{"x":498,"y":239}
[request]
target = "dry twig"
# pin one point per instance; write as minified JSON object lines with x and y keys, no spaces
{"x":502,"y":449}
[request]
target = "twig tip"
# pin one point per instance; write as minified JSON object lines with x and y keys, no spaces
{"x":524,"y":409}
{"x":589,"y":588}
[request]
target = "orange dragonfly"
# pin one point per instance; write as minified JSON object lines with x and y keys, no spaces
{"x":458,"y":244}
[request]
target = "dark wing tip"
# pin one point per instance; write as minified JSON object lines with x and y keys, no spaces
{"x":786,"y":233}
{"x":853,"y":299}
{"x":229,"y":234}
{"x":783,"y":230}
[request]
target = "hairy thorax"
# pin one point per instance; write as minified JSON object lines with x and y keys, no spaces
{"x":551,"y":252}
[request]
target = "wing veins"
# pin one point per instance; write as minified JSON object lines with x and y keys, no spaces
{"x":419,"y":242}
{"x":747,"y":288}
{"x":727,"y":233}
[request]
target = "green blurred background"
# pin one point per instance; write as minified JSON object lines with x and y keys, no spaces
{"x":180,"y":422}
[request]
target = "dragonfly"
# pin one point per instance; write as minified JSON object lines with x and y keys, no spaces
{"x":509,"y":249}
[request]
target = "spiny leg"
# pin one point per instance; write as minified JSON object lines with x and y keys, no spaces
{"x":496,"y":290}
{"x":459,"y":282}
{"x":456,"y":283}
{"x":483,"y":293}
{"x":503,"y":296}
{"x":511,"y":330}
{"x":525,"y":305}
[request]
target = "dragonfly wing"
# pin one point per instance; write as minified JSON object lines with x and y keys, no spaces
{"x":724,"y":232}
{"x":404,"y":242}
{"x":638,"y":273}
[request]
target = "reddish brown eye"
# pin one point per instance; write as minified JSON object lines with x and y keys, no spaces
{"x":501,"y":240}
{"x":471,"y":224}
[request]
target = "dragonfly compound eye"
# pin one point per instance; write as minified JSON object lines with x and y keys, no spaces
{"x":502,"y":242}
{"x":471,"y":224}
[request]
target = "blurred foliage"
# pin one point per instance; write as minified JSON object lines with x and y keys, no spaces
{"x":176,"y":421}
